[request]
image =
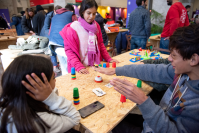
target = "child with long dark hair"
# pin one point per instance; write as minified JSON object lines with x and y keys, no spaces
{"x":28,"y":103}
{"x":83,"y":40}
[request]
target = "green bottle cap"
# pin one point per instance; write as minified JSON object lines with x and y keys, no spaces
{"x":139,"y":84}
{"x":75,"y":92}
{"x":100,"y":65}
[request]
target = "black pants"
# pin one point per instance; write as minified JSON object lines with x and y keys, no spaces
{"x":131,"y":124}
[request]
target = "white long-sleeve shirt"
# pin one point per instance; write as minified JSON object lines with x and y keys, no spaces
{"x":68,"y":115}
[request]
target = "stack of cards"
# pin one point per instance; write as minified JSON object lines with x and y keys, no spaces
{"x":99,"y":92}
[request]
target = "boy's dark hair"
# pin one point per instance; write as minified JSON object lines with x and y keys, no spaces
{"x":14,"y":99}
{"x":188,"y":6}
{"x":86,"y":4}
{"x":186,"y":41}
{"x":70,"y":7}
{"x":57,"y":7}
{"x":139,"y":2}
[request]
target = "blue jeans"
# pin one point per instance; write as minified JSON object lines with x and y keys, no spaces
{"x":136,"y":43}
{"x":54,"y":60}
{"x":164,"y":44}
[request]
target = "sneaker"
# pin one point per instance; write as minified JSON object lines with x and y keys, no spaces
{"x":56,"y":70}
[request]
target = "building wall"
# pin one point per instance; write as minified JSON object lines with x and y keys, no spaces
{"x":114,"y":3}
{"x":23,"y":4}
{"x":161,"y":7}
{"x":11,"y":5}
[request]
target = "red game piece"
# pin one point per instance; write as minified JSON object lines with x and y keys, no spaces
{"x":76,"y":103}
{"x":140,"y":49}
{"x":114,"y":64}
{"x":123,"y":98}
{"x":107,"y":64}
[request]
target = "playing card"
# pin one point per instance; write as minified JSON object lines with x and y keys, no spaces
{"x":109,"y":85}
{"x":99,"y":92}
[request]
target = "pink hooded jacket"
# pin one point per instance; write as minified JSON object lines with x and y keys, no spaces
{"x":71,"y":44}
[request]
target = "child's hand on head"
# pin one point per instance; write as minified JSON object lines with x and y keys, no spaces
{"x":84,"y":71}
{"x":39,"y":90}
{"x":114,"y":60}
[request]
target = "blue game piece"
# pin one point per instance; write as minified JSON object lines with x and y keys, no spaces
{"x":104,"y":65}
{"x":73,"y":72}
{"x":77,"y":101}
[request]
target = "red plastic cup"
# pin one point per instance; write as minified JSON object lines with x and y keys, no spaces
{"x":123,"y":99}
{"x":107,"y":64}
{"x":114,"y":64}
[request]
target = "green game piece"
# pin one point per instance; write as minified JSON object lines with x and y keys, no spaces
{"x":146,"y":54}
{"x":75,"y":92}
{"x":139,"y":84}
{"x":151,"y":47}
{"x":100,"y":65}
{"x":158,"y":53}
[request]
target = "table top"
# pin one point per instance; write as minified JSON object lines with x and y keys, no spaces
{"x":114,"y":111}
{"x":120,"y":30}
{"x":7,"y":38}
{"x":24,"y":36}
{"x":8,"y":31}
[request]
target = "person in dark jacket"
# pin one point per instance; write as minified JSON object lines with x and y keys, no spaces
{"x":100,"y":20}
{"x":27,"y":23}
{"x":139,"y":25}
{"x":16,"y":20}
{"x":38,"y":20}
{"x":22,"y":13}
{"x":3,"y":23}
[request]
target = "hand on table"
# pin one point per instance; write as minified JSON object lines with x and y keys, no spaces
{"x":107,"y":71}
{"x":39,"y":90}
{"x":129,"y":90}
{"x":84,"y":71}
{"x":113,"y":60}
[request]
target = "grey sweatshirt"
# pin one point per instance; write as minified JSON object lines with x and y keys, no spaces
{"x":68,"y":115}
{"x":180,"y":116}
{"x":139,"y":23}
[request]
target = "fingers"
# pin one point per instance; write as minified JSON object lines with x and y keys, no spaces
{"x":45,"y":78}
{"x":29,"y":87}
{"x":38,"y":80}
{"x":84,"y":71}
{"x":122,"y":87}
{"x":101,"y":70}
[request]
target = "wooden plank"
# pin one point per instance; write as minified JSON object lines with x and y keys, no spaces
{"x":8,"y":31}
{"x":114,"y":111}
{"x":23,"y":36}
{"x":7,"y":38}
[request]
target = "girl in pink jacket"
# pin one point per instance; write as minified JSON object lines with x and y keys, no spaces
{"x":83,"y":40}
